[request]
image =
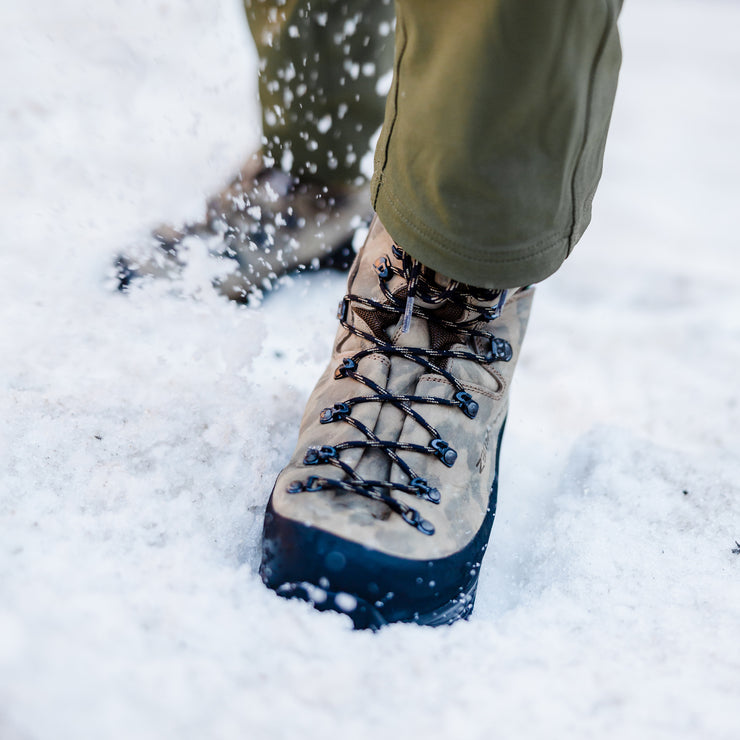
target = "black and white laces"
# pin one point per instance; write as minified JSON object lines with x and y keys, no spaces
{"x":455,"y":310}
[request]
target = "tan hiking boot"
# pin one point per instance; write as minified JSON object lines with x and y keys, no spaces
{"x":385,"y":509}
{"x":263,"y":225}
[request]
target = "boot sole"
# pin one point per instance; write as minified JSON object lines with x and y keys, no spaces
{"x":366,"y":616}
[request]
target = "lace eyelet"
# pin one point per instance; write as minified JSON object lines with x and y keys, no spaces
{"x":347,"y":365}
{"x":491,"y":313}
{"x":337,"y":413}
{"x":313,"y":484}
{"x":428,"y":493}
{"x":500,"y":351}
{"x":382,"y":267}
{"x":468,"y":406}
{"x":415,"y":519}
{"x":444,"y":452}
{"x":316,"y":455}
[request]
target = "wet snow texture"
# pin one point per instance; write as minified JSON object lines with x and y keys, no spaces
{"x":140,"y":435}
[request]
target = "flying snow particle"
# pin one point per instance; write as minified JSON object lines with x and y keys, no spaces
{"x":346,"y":602}
{"x":353,"y":68}
{"x":324,"y":124}
{"x":383,"y":85}
{"x":286,"y":161}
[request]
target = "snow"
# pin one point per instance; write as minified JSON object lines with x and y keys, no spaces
{"x":141,"y":434}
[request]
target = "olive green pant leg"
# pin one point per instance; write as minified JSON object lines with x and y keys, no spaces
{"x":320,"y":63}
{"x":494,"y":133}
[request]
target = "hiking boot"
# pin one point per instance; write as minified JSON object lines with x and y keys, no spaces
{"x":385,"y":509}
{"x":264,"y":224}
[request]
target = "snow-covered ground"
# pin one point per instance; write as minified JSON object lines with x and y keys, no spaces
{"x":140,"y":434}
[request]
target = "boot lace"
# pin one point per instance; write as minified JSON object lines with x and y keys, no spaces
{"x":435,"y":304}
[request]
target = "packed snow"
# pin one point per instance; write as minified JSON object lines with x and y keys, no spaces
{"x":141,"y":433}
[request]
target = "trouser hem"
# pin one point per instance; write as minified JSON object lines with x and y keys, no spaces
{"x":482,"y":265}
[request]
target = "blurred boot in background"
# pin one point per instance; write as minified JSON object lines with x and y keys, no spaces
{"x":297,"y":202}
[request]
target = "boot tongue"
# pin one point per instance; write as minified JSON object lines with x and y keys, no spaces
{"x":443,"y":337}
{"x":376,"y":320}
{"x":422,"y":333}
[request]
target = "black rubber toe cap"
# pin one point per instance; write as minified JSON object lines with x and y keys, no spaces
{"x":320,"y":567}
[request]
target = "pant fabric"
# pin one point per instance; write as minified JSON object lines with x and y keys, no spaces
{"x":320,"y":67}
{"x":493,"y":131}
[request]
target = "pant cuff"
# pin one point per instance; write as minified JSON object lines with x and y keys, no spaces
{"x":484,"y":266}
